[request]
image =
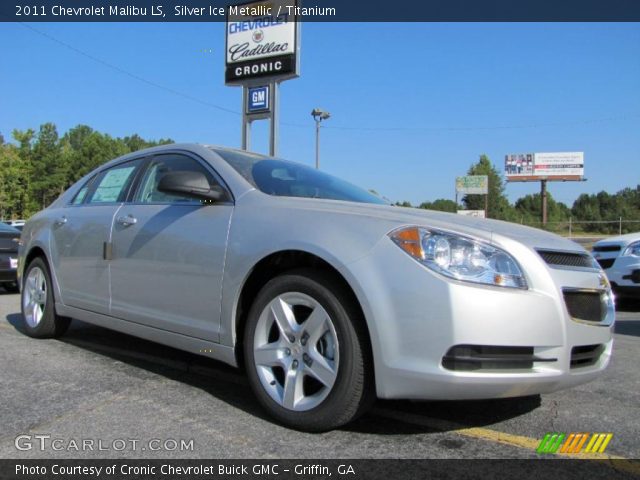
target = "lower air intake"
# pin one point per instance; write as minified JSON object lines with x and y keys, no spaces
{"x":586,"y":355}
{"x":468,"y":358}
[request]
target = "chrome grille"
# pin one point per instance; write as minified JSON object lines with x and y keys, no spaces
{"x":566,"y":259}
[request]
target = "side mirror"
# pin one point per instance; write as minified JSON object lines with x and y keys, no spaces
{"x":189,"y":183}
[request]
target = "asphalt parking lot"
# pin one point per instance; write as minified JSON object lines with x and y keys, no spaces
{"x":102,"y":385}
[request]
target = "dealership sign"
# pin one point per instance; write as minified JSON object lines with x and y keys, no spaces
{"x":262,"y":41}
{"x":472,"y":185}
{"x":544,"y":166}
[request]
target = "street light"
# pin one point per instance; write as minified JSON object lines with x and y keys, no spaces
{"x":318,"y":115}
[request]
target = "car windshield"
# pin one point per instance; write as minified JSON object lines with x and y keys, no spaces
{"x":290,"y":179}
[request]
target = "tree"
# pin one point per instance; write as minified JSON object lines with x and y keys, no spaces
{"x":14,"y":175}
{"x":499,"y":206}
{"x":441,"y":204}
{"x":36,"y":168}
{"x":135,"y":142}
{"x":48,"y":178}
{"x":529,"y":208}
{"x":603,"y":207}
{"x":19,"y":180}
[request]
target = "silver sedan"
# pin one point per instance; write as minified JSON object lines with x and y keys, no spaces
{"x":325,"y":294}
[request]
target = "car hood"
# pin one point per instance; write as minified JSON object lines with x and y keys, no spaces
{"x":619,"y":240}
{"x":393,"y":216}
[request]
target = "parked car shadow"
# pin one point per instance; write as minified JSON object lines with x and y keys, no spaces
{"x":628,"y":327}
{"x":230,"y":385}
{"x":627,"y":305}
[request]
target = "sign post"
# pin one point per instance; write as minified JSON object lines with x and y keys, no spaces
{"x":262,"y":49}
{"x":275,"y":114}
{"x":543,"y":168}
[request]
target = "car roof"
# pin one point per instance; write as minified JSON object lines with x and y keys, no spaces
{"x":193,"y":147}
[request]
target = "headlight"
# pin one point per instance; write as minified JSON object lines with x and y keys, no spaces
{"x":632,"y":250}
{"x":459,"y":257}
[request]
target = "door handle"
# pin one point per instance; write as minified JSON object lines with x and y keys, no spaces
{"x":127,"y":221}
{"x":60,"y":221}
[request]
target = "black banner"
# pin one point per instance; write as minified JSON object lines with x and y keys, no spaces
{"x":280,"y":66}
{"x":327,"y":10}
{"x":318,"y":469}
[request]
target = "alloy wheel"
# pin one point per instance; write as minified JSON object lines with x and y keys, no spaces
{"x":295,"y":351}
{"x":34,"y":300}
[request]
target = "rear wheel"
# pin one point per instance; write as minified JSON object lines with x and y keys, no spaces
{"x":305,"y":353}
{"x":38,"y":309}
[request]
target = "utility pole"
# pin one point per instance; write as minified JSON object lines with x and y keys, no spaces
{"x":319,"y":115}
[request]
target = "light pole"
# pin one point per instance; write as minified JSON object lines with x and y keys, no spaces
{"x":318,"y":115}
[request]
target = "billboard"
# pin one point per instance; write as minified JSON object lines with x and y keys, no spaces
{"x":261,"y":41}
{"x":523,"y":167}
{"x":472,"y":185}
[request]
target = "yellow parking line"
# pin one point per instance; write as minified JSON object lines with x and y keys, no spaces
{"x":520,"y":441}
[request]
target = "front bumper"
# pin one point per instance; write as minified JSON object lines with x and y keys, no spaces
{"x":415,"y":317}
{"x":8,"y":276}
{"x":8,"y":267}
{"x":624,"y":276}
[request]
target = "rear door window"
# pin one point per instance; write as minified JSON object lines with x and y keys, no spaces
{"x":113,"y":184}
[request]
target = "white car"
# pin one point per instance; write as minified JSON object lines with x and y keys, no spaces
{"x":325,"y":294}
{"x":620,"y":259}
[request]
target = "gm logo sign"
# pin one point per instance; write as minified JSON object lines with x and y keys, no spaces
{"x":258,"y":99}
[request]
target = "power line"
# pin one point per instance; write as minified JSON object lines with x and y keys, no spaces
{"x":129,"y":74}
{"x":496,"y":127}
{"x":186,"y":96}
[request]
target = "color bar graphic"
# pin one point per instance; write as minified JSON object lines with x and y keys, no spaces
{"x":574,"y":442}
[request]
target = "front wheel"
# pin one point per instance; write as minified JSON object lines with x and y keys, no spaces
{"x":306,"y":353}
{"x":38,"y":309}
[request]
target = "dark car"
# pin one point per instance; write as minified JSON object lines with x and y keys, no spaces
{"x":9,"y":238}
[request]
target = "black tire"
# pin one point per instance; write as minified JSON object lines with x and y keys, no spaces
{"x":51,"y":324}
{"x":11,"y":287}
{"x":353,"y":391}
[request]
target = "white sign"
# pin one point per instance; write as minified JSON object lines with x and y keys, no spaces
{"x":473,"y":185}
{"x":472,"y":213}
{"x":537,"y":166}
{"x":565,"y":163}
{"x":261,"y":40}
